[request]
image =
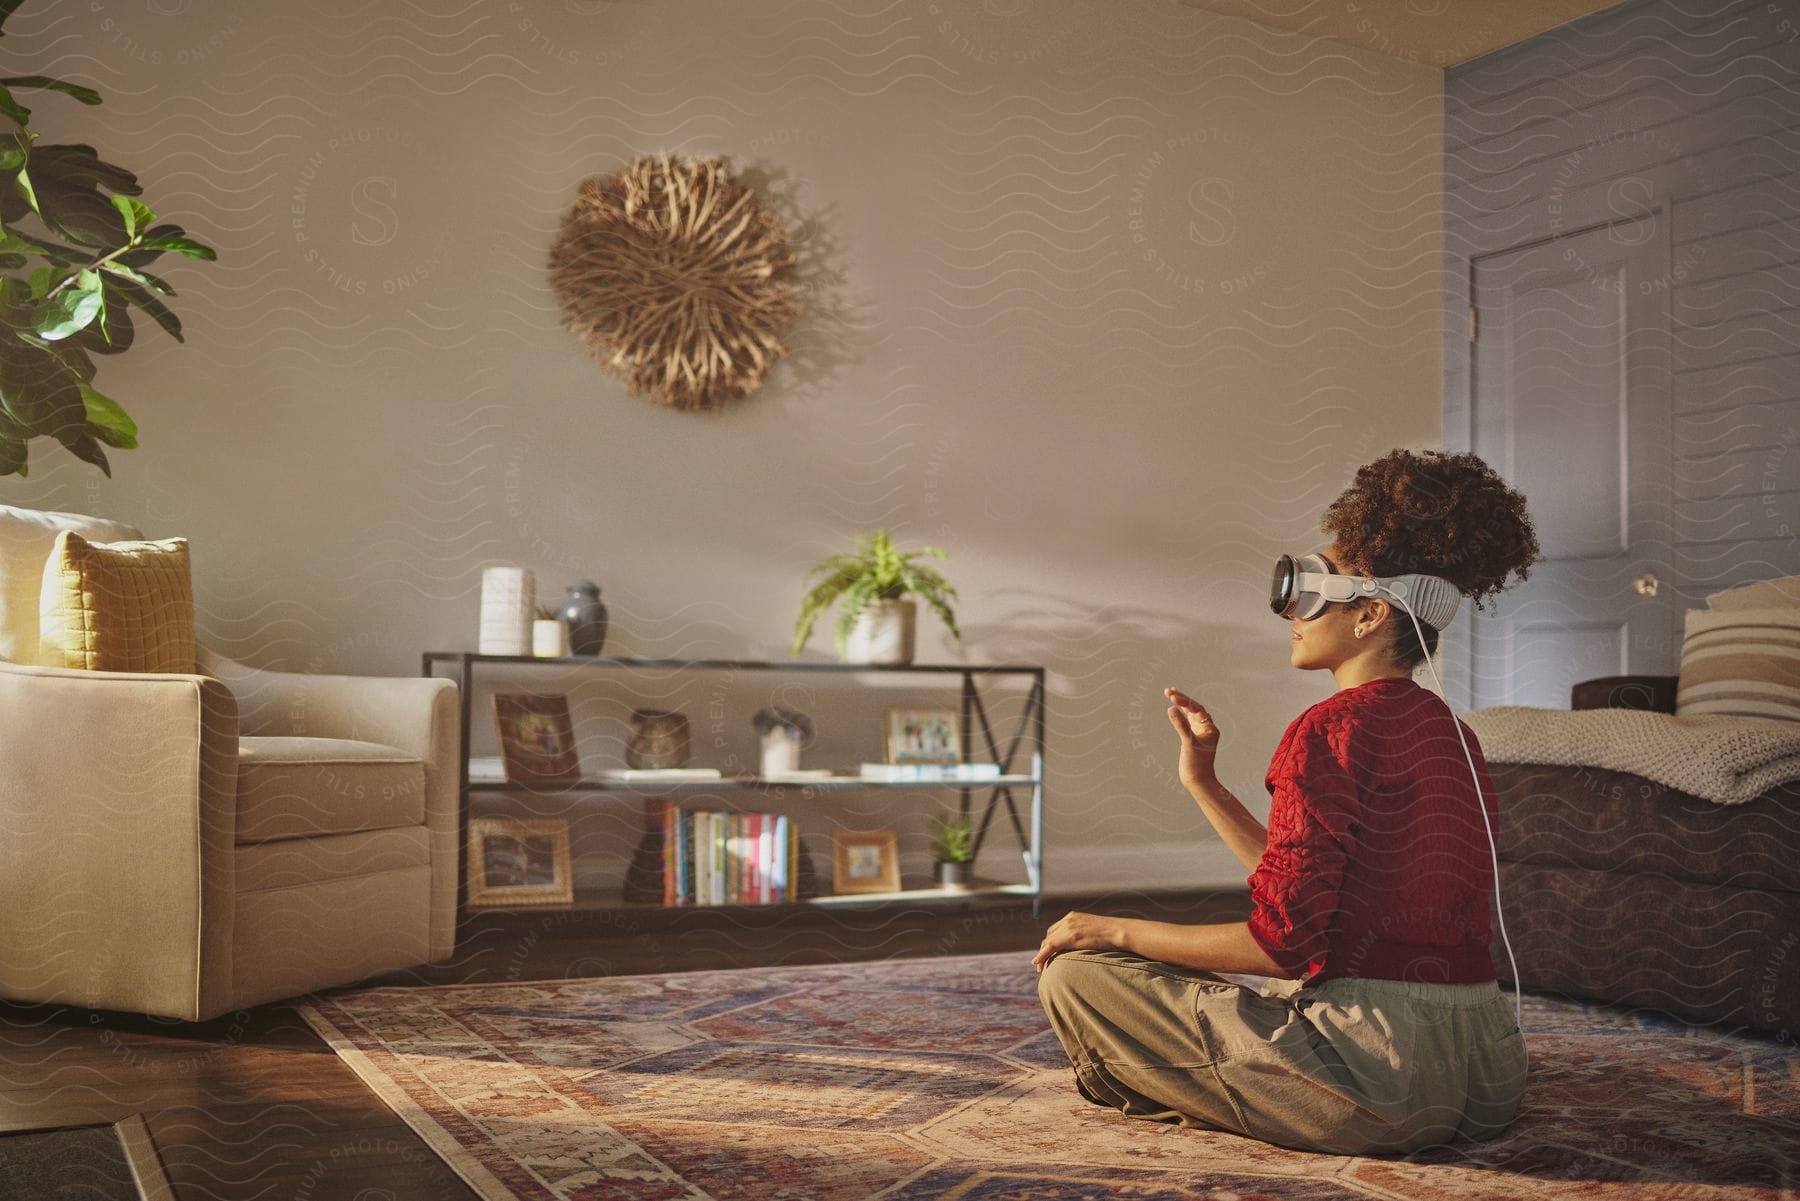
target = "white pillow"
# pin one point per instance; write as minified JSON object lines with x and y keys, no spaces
{"x":26,"y":536}
{"x":1770,"y":594}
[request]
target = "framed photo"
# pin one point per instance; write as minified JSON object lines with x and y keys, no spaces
{"x":864,"y":861}
{"x":537,"y":739}
{"x":519,"y":861}
{"x":923,"y":736}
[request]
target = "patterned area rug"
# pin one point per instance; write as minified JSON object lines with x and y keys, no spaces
{"x":923,"y":1078}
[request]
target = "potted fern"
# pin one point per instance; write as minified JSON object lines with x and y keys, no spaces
{"x":876,"y":621}
{"x":953,"y":843}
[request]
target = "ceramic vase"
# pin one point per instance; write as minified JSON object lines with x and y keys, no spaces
{"x":586,"y":616}
{"x":659,"y":739}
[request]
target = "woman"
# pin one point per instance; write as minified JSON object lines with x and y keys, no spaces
{"x":1357,"y":1010}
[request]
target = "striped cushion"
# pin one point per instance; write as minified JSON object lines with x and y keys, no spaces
{"x":1743,"y":662}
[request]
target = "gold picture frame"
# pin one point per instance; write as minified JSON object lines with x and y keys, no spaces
{"x":924,"y":736}
{"x":516,"y":861}
{"x":864,"y":861}
{"x":537,"y":738}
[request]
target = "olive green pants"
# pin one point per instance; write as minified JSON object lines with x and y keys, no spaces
{"x":1349,"y":1067}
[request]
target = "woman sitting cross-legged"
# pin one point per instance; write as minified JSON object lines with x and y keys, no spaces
{"x":1357,"y":1011}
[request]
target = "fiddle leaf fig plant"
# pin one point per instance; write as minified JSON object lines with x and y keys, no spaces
{"x":877,"y":571}
{"x":75,"y":250}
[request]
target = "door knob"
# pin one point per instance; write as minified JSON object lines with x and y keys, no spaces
{"x":1645,"y":585}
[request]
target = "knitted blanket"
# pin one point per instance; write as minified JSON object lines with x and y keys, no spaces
{"x":1728,"y":760}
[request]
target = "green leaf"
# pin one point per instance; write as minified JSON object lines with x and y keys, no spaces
{"x":187,"y":246}
{"x":12,"y":108}
{"x":84,"y":445}
{"x":12,"y":456}
{"x":37,"y":391}
{"x":22,"y":183}
{"x":12,"y":151}
{"x":136,"y":213}
{"x":7,"y":8}
{"x":84,"y":94}
{"x":157,"y":282}
{"x":78,"y":165}
{"x":146,"y":300}
{"x":108,"y":421}
{"x":74,"y":308}
{"x":115,"y":267}
{"x":54,"y":251}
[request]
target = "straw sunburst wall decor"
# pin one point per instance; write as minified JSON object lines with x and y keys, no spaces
{"x":677,"y":276}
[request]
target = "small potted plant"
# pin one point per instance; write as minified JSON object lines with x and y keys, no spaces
{"x":876,"y":622}
{"x":953,"y":843}
{"x":784,"y":731}
{"x":549,"y":634}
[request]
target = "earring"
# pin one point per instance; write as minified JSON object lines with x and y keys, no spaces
{"x":1358,"y":633}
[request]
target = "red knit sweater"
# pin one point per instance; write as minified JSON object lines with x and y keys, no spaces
{"x":1377,"y":863}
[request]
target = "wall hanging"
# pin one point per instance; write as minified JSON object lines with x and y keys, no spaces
{"x":678,"y":277}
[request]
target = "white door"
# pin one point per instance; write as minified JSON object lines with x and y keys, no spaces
{"x":1569,"y":403}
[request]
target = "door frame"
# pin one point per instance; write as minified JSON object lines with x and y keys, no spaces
{"x":1460,"y":333}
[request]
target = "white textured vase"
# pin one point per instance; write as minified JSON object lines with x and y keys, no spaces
{"x":508,"y":605}
{"x":883,"y":633}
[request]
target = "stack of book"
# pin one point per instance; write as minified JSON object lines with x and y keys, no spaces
{"x":931,"y":771}
{"x":713,"y":857}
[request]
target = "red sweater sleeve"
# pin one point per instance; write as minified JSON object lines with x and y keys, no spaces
{"x":1295,"y":890}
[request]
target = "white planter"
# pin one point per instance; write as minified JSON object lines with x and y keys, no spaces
{"x":549,"y":638}
{"x":883,"y":633}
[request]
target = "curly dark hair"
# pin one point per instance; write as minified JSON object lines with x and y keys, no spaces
{"x":1435,"y":513}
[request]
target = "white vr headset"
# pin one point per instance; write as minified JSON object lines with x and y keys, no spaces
{"x":1303,"y":587}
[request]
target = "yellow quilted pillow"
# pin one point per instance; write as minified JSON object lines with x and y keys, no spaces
{"x":117,"y":606}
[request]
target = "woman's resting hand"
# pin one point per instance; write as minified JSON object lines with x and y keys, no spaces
{"x":1078,"y":932}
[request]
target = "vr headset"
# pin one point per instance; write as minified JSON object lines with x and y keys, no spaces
{"x":1303,"y":587}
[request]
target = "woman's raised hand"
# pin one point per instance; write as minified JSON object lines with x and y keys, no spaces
{"x":1199,"y":738}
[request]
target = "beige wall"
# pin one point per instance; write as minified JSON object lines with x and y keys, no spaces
{"x":1108,"y":300}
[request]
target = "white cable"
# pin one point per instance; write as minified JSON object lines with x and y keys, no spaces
{"x":1480,"y":803}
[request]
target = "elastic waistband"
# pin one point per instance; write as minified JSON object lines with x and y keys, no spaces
{"x":1453,"y":996}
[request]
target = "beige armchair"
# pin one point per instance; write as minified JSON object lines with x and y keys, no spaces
{"x":189,"y":845}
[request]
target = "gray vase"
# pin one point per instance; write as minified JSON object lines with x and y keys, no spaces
{"x":586,"y":615}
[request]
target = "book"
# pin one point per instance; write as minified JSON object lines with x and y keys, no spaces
{"x":778,"y":851}
{"x":931,"y":771}
{"x":668,"y":855}
{"x":718,"y":857}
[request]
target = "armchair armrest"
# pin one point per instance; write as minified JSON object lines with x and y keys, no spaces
{"x":402,"y":712}
{"x":1653,"y":693}
{"x":118,"y":797}
{"x":413,"y":713}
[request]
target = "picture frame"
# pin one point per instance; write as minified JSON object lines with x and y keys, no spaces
{"x":864,"y":861}
{"x":537,"y":738}
{"x":518,"y":861}
{"x":924,"y":736}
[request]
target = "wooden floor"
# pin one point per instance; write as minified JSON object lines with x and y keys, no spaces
{"x":255,"y":1107}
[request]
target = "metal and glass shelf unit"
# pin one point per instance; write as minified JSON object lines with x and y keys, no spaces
{"x":1026,"y":738}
